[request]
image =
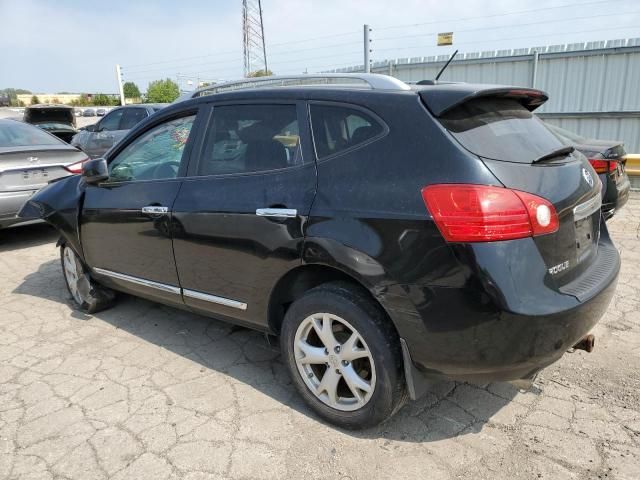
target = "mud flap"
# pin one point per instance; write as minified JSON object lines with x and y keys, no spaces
{"x":417,"y":384}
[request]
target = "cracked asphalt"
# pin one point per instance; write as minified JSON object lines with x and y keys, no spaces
{"x":144,"y":391}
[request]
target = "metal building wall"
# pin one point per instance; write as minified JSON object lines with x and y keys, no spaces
{"x":594,"y":87}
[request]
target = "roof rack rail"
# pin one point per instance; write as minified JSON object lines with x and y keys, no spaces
{"x":373,"y":81}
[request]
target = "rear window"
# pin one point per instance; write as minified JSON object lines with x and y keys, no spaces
{"x":337,"y":128}
{"x":17,"y":134}
{"x":500,"y":129}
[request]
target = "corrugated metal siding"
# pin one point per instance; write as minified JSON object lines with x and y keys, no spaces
{"x":587,"y":83}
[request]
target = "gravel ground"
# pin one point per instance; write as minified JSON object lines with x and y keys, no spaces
{"x":145,"y":391}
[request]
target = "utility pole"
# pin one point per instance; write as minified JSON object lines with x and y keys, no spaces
{"x":253,"y":45}
{"x":367,"y":49}
{"x":119,"y":75}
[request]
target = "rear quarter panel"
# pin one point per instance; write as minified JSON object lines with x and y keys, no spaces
{"x":369,"y":203}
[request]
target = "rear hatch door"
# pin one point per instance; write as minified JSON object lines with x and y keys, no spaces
{"x":497,"y":125}
{"x":50,"y":114}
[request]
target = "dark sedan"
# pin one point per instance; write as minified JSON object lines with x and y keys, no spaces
{"x":29,"y":159}
{"x":607,"y":159}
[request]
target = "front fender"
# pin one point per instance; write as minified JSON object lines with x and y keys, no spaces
{"x":59,"y":205}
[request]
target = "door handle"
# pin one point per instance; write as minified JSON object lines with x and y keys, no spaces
{"x":154,"y":209}
{"x":277,"y":212}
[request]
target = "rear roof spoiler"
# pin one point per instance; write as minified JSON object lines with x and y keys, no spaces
{"x":441,"y":98}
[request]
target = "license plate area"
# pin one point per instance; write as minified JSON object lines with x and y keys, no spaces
{"x":587,"y":227}
{"x":35,"y":176}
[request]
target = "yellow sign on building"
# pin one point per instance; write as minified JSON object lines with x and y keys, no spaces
{"x":445,"y":39}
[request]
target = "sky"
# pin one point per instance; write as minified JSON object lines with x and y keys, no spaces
{"x":74,"y":45}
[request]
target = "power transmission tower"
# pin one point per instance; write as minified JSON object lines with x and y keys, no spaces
{"x":254,"y":50}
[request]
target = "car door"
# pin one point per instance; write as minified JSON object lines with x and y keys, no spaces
{"x":101,"y":138}
{"x":239,"y":217}
{"x":125,"y":224}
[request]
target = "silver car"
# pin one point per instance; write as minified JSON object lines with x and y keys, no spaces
{"x":96,"y":139}
{"x":29,"y":159}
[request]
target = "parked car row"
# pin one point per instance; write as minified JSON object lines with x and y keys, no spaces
{"x":91,"y":112}
{"x":390,"y":235}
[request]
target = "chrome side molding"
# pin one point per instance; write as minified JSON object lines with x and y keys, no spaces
{"x":277,"y":212}
{"x":227,"y":302}
{"x":139,"y":281}
{"x":214,"y":299}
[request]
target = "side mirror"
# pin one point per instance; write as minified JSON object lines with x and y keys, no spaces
{"x":95,"y":171}
{"x":92,"y":128}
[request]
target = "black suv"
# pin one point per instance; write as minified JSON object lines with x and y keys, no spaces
{"x":388,"y":234}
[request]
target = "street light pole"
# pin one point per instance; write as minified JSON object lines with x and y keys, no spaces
{"x":119,"y":75}
{"x":367,"y":49}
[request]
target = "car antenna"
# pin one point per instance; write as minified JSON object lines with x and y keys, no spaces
{"x":445,"y":65}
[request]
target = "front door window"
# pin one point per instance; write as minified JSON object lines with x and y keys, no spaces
{"x":155,"y":155}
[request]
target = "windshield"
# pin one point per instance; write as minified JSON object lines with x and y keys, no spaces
{"x":17,"y":134}
{"x":500,"y":129}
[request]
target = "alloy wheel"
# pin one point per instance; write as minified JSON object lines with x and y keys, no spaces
{"x":334,"y":361}
{"x":73,"y":274}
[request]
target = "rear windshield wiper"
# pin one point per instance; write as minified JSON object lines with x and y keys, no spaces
{"x":561,"y":152}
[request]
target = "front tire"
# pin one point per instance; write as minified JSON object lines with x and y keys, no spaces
{"x":86,"y":294}
{"x":344,"y":356}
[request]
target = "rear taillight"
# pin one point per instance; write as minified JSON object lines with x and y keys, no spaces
{"x":76,"y":167}
{"x":603,"y":166}
{"x":481,"y":213}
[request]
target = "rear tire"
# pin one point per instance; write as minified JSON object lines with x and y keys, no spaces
{"x":344,"y":356}
{"x":86,"y":294}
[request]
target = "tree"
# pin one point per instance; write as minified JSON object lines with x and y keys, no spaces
{"x":13,"y":93}
{"x":131,"y":90}
{"x":260,"y":73}
{"x":35,"y":100}
{"x":100,"y":99}
{"x":162,"y":91}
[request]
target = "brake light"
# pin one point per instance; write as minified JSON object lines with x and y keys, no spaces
{"x":603,"y":166}
{"x":76,"y":167}
{"x":481,"y":213}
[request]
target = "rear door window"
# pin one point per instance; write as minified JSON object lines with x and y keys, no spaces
{"x":131,"y":117}
{"x":338,"y":128}
{"x":500,"y":129}
{"x":251,"y":138}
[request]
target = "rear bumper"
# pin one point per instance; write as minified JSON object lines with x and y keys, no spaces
{"x":470,"y":334}
{"x":10,"y":205}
